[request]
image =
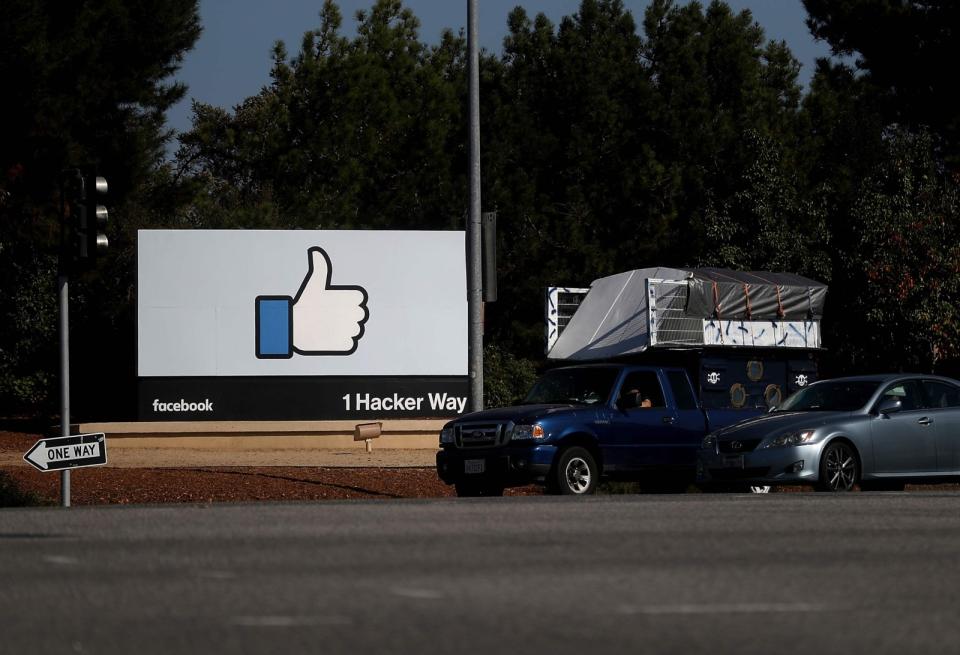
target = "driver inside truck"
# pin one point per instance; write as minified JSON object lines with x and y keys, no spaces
{"x":635,"y":398}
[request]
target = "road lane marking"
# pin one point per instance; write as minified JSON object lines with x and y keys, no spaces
{"x":419,"y":594}
{"x":287,"y":621}
{"x":217,"y":575}
{"x":61,"y":559}
{"x":725,"y":608}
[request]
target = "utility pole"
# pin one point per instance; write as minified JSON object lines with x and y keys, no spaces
{"x":83,"y":221}
{"x":474,"y":230}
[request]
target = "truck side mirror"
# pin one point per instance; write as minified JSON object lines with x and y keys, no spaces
{"x":629,"y":401}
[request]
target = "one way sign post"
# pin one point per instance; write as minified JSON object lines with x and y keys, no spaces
{"x":71,"y":452}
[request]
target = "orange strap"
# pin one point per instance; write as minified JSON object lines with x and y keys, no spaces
{"x":780,"y":312}
{"x":716,"y":300}
{"x":746,"y":294}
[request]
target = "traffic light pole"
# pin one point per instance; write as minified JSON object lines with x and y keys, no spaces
{"x":474,"y":244}
{"x":82,"y":223}
{"x":63,"y":289}
{"x":70,"y":179}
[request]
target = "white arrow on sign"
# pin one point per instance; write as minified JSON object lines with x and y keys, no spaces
{"x":74,"y":451}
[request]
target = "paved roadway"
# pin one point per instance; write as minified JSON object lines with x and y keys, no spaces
{"x":784,"y":573}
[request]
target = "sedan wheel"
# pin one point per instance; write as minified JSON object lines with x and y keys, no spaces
{"x":759,"y":490}
{"x":839,"y":468}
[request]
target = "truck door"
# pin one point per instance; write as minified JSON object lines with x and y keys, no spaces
{"x":642,"y":431}
{"x":690,"y":425}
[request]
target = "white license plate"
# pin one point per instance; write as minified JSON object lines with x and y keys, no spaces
{"x":474,"y":465}
{"x":733,"y":462}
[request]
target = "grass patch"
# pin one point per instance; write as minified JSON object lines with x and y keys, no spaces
{"x":11,"y":495}
{"x":616,"y":487}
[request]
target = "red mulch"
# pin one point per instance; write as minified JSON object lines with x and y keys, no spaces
{"x":117,"y":486}
{"x":108,"y":486}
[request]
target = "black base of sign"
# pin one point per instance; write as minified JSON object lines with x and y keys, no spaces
{"x":301,"y":398}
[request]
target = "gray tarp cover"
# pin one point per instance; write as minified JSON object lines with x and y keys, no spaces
{"x":612,"y":319}
{"x":725,"y":294}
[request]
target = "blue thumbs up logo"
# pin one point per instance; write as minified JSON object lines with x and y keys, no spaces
{"x":322,"y":319}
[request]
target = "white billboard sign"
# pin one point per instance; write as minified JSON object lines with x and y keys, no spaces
{"x":215,"y":303}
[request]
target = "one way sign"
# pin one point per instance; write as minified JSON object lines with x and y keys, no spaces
{"x":70,"y":452}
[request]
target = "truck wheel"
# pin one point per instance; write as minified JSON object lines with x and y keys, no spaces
{"x":474,"y":489}
{"x":576,"y":473}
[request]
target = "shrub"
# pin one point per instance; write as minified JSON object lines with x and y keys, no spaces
{"x":506,"y":378}
{"x":11,"y":495}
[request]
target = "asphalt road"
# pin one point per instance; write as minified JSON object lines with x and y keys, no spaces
{"x":784,"y":573}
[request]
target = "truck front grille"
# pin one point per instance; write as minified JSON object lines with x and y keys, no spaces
{"x":480,"y":435}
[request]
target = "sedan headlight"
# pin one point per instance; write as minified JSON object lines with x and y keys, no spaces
{"x":792,"y":439}
{"x":521,"y":432}
{"x":446,"y":435}
{"x":709,"y":442}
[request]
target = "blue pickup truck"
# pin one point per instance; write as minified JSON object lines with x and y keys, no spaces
{"x":582,"y":423}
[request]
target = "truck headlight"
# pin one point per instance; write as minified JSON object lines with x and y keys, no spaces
{"x":521,"y":432}
{"x":446,"y":435}
{"x":797,"y":438}
{"x":709,"y":442}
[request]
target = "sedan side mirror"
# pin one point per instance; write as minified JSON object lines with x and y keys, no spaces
{"x":889,"y":405}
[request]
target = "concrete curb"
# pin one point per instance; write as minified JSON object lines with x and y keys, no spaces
{"x":397,"y":434}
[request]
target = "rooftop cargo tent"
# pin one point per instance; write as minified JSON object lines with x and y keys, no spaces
{"x":670,"y":308}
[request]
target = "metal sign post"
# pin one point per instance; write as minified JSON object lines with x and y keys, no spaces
{"x":64,"y":377}
{"x":71,"y":184}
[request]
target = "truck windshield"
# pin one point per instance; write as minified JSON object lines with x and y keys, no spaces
{"x":580,"y":386}
{"x":830,"y":396}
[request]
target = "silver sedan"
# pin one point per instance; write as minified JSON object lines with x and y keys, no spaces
{"x":876,"y":431}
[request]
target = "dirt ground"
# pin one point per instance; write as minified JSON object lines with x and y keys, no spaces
{"x":159,"y":475}
{"x":141,"y":476}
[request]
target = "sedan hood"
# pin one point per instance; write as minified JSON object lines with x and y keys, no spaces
{"x":517,"y":414}
{"x":777,"y":423}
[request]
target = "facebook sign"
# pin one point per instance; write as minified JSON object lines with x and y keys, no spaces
{"x":253,"y":324}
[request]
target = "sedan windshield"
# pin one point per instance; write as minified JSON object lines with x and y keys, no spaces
{"x":580,"y":386}
{"x":831,"y":396}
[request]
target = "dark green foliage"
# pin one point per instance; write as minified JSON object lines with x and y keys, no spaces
{"x":506,"y":378}
{"x":350,"y":134}
{"x":11,"y":495}
{"x":900,"y":271}
{"x":881,"y":142}
{"x":770,"y":224}
{"x":719,"y":88}
{"x":567,"y":162}
{"x":908,"y":50}
{"x":607,"y":145}
{"x":86,"y":86}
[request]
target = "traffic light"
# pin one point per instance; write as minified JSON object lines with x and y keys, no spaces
{"x":92,"y":224}
{"x":83,"y":236}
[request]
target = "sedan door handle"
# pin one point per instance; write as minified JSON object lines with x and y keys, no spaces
{"x":668,"y":419}
{"x":924,"y":421}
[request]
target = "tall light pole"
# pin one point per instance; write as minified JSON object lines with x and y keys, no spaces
{"x":474,"y":256}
